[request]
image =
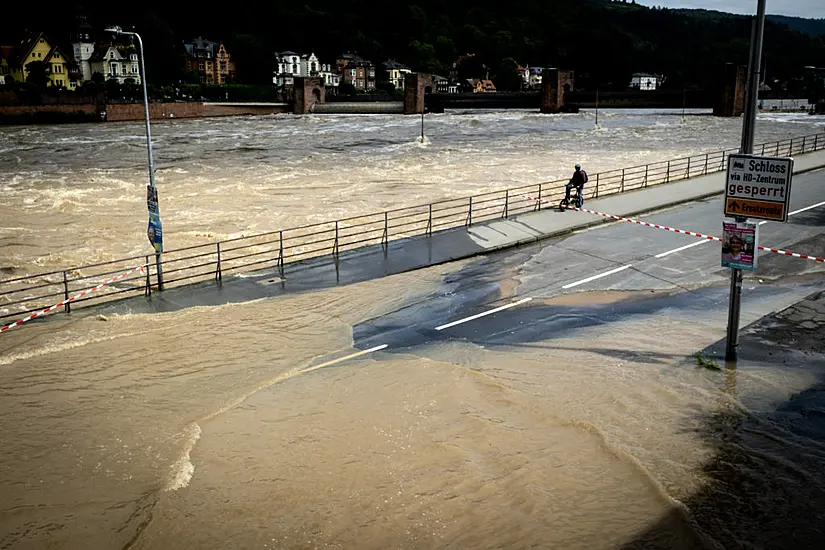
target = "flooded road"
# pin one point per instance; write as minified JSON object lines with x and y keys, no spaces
{"x":575,"y":420}
{"x":75,"y":194}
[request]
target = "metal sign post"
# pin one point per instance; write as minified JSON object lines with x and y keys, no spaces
{"x":748,"y":123}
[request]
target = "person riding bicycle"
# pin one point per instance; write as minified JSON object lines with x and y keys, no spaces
{"x":578,"y":180}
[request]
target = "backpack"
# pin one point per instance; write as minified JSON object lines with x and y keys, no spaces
{"x":584,"y":176}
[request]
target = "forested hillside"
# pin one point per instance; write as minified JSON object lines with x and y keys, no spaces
{"x":604,"y":41}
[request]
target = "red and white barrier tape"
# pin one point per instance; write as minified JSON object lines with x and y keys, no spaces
{"x":49,"y":309}
{"x":682,"y":231}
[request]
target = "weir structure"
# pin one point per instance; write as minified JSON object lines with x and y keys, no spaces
{"x":557,"y":95}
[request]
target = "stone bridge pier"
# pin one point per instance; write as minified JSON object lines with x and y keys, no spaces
{"x":306,"y":93}
{"x":730,"y":100}
{"x":416,"y":86}
{"x":555,"y":84}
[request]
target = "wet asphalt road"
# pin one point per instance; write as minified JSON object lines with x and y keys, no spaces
{"x":620,"y":257}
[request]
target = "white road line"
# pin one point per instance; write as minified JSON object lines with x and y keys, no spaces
{"x":691,"y":245}
{"x":806,"y":208}
{"x":795,"y":212}
{"x":496,"y":310}
{"x":599,"y":276}
{"x":583,"y":281}
{"x":342,"y":359}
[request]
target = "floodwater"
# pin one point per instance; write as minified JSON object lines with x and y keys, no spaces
{"x":209,"y":427}
{"x":73,"y":195}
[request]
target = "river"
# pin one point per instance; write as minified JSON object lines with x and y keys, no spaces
{"x":203,"y":428}
{"x":75,"y":194}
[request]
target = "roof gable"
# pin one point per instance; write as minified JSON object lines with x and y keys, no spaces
{"x":27,"y":45}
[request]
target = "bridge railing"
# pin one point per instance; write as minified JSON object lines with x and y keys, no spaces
{"x":279,"y":251}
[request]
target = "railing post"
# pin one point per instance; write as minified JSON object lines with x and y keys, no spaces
{"x":763,"y":149}
{"x":148,"y":280}
{"x":429,"y":231}
{"x":470,"y":214}
{"x":707,"y":159}
{"x":816,"y":142}
{"x":667,"y":176}
{"x":506,"y":202}
{"x":538,"y":202}
{"x":622,"y":188}
{"x":647,"y":166}
{"x":335,"y":245}
{"x":687,"y":174}
{"x":777,"y":149}
{"x":68,"y":307}
{"x":218,"y":273}
{"x":597,"y":185}
{"x":159,"y":273}
{"x":281,"y":254}
{"x":804,"y":138}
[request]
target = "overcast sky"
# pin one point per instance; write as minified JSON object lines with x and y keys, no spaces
{"x":800,"y":8}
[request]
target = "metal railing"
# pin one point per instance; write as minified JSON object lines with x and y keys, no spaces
{"x":285,"y":249}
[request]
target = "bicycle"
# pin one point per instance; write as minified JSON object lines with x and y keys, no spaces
{"x":565,"y":203}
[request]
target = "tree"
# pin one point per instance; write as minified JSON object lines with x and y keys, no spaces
{"x":507,"y":76}
{"x":98,"y":78}
{"x":113,"y":88}
{"x":38,"y":74}
{"x":346,"y":88}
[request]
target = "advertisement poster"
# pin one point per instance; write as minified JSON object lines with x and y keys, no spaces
{"x":155,"y":229}
{"x":739,"y":242}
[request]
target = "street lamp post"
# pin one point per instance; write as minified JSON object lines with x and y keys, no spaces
{"x":154,"y":231}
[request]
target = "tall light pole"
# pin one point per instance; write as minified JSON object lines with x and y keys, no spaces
{"x":748,"y":127}
{"x":154,"y":231}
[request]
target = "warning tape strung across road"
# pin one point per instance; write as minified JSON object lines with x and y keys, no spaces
{"x":140,"y":268}
{"x":682,"y":231}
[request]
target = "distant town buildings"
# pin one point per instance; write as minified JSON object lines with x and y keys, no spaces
{"x":356,"y":71}
{"x":396,"y":72}
{"x":210,"y":60}
{"x":290,"y":64}
{"x":68,"y":66}
{"x":533,"y":77}
{"x":58,"y":66}
{"x":113,"y":62}
{"x":483,"y":85}
{"x":644,"y":81}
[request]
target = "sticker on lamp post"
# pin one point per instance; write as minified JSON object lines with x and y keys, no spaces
{"x":739,"y":245}
{"x":155,"y":229}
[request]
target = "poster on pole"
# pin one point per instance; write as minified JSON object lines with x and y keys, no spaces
{"x":155,"y":229}
{"x":739,"y":245}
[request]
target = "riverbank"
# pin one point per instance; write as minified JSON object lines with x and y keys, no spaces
{"x":126,"y":112}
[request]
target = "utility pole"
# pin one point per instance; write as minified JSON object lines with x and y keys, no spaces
{"x":597,"y":108}
{"x":748,"y":130}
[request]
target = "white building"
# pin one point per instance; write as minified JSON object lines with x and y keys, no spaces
{"x":290,"y":64}
{"x":534,"y":76}
{"x":644,"y":81}
{"x":83,"y":47}
{"x":397,"y":72}
{"x":115,"y":62}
